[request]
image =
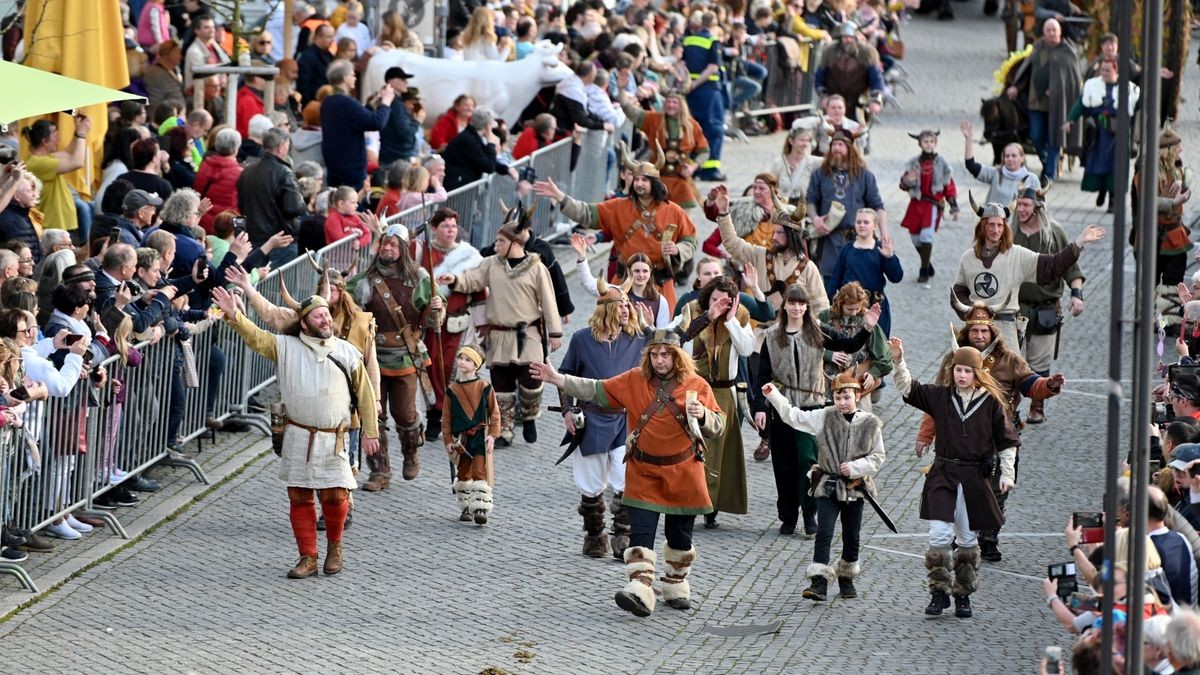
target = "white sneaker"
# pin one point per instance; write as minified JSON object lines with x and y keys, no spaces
{"x":62,"y":530}
{"x":77,"y":525}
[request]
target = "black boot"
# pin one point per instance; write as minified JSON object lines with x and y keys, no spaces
{"x":989,"y":550}
{"x":810,"y":525}
{"x":962,"y":606}
{"x":923,"y":275}
{"x":846,"y":588}
{"x":710,"y":521}
{"x":529,"y":431}
{"x":939,"y":602}
{"x":817,"y":589}
{"x":433,"y":424}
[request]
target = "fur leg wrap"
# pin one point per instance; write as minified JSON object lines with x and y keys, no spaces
{"x":1167,"y":303}
{"x":847,"y":570}
{"x":639,"y":568}
{"x":937,"y":561}
{"x":507,"y":402}
{"x":529,"y":403}
{"x":480,"y":498}
{"x":592,"y":510}
{"x":966,"y":570}
{"x":820,"y":570}
{"x":620,"y":525}
{"x":678,"y":564}
{"x":462,"y":491}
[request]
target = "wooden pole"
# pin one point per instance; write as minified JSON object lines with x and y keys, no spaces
{"x":288,"y":47}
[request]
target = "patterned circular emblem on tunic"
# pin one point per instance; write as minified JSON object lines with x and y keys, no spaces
{"x":986,"y":285}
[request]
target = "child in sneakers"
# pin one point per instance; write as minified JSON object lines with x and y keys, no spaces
{"x":850,"y":452}
{"x":470,"y":428}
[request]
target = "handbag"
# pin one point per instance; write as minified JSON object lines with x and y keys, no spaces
{"x":1046,"y":319}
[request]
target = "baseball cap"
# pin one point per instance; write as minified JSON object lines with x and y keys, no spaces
{"x":1184,"y":454}
{"x":396,"y":72}
{"x":136,"y":199}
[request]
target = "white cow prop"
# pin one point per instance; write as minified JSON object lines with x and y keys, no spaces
{"x":504,"y":87}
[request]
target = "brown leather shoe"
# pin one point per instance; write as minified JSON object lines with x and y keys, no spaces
{"x":214,"y":423}
{"x":412,"y":466}
{"x":763,"y":451}
{"x":333,"y":558}
{"x":377,"y":482}
{"x":94,"y":522}
{"x":36,"y":543}
{"x":305,"y":568}
{"x":1037,"y":412}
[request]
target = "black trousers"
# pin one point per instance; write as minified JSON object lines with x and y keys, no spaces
{"x":644,"y":523}
{"x":506,"y":378}
{"x":993,"y":536}
{"x":828,"y":513}
{"x":792,"y":454}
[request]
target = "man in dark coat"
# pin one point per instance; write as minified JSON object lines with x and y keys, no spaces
{"x":313,"y":61}
{"x":973,"y":427}
{"x":472,"y":153}
{"x":269,"y":196}
{"x":1051,"y":78}
{"x":344,"y":121}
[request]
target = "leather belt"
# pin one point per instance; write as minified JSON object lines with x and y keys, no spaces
{"x":312,"y":436}
{"x":658,"y":460}
{"x":960,"y":462}
{"x":721,"y":384}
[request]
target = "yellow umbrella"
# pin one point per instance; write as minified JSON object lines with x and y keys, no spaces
{"x":84,"y":41}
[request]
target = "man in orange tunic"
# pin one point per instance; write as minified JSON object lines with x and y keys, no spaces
{"x":676,"y":140}
{"x":644,"y":222}
{"x":670,"y":411}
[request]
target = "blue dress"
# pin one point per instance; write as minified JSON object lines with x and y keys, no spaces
{"x":872,"y":271}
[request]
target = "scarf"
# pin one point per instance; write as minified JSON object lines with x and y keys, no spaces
{"x":322,"y":348}
{"x":1015,"y":176}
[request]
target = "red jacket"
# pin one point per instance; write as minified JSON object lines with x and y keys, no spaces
{"x":338,"y":226}
{"x":217,"y":180}
{"x":444,"y":131}
{"x":249,"y":104}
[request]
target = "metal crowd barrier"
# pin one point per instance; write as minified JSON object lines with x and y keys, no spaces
{"x":787,"y":88}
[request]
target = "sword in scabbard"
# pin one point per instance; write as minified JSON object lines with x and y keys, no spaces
{"x":861,"y":487}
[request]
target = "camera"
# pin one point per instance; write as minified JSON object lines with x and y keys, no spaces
{"x":239,"y":225}
{"x":1092,"y":523}
{"x":1084,"y":602}
{"x":1064,"y":573}
{"x":527,"y":174}
{"x":1163,"y":414}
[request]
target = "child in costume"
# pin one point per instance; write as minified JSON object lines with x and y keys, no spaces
{"x":470,"y":426}
{"x":929,"y":182}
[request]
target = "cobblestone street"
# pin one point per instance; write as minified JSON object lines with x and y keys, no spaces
{"x":205,"y":591}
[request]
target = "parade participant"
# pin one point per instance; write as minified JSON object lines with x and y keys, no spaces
{"x":1051,"y":78}
{"x":752,"y":298}
{"x":612,"y":345}
{"x":471,"y":430}
{"x":716,"y":351}
{"x":671,"y":411}
{"x":676,"y":141}
{"x":992,"y":270}
{"x":1035,"y":230}
{"x":753,"y":217}
{"x":973,"y":429}
{"x":1004,"y":181}
{"x":644,"y":222}
{"x":446,"y":255}
{"x":794,"y":166}
{"x":842,"y":186}
{"x":520,"y":314}
{"x":646,"y":296}
{"x":790,"y":359}
{"x":869,"y":263}
{"x":1098,"y":101}
{"x":706,"y":94}
{"x":1173,"y":191}
{"x":321,"y":380}
{"x":850,"y":453}
{"x":929,"y":182}
{"x":404,"y":303}
{"x":1014,"y":379}
{"x":850,"y":68}
{"x":834,"y":119}
{"x":873,"y":360}
{"x":782,"y":264}
{"x":350,"y":323}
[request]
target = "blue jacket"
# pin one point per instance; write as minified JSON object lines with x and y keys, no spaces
{"x":398,"y":138}
{"x":1178,"y":566}
{"x":343,"y":121}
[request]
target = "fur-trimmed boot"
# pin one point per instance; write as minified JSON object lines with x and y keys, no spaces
{"x":479,"y":503}
{"x":966,"y":579}
{"x":507,"y":402}
{"x":846,"y":574}
{"x":411,"y":440}
{"x":462,"y":491}
{"x":937,"y":562}
{"x":529,"y":402}
{"x":819,"y":575}
{"x":1167,"y":303}
{"x":676,"y":591}
{"x":620,"y":526}
{"x":638,"y":595}
{"x":595,"y":541}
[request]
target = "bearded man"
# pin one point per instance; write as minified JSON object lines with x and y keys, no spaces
{"x":841,"y":187}
{"x":1041,"y":305}
{"x":644,"y":222}
{"x":1051,"y":77}
{"x":850,"y":68}
{"x":321,"y":380}
{"x":405,"y":305}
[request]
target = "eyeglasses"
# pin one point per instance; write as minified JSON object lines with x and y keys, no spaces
{"x":25,"y":261}
{"x":28,"y":331}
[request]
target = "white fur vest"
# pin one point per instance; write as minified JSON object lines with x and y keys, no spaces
{"x":460,"y":259}
{"x":843,"y":441}
{"x":1092,"y":94}
{"x":941,"y":175}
